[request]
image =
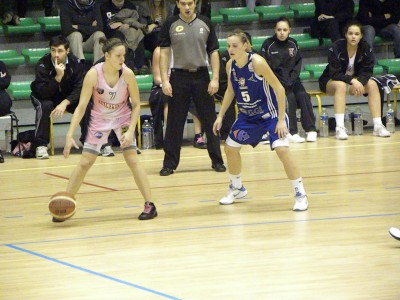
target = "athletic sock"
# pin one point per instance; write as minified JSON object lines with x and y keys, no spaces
{"x":236,"y":181}
{"x":298,"y":187}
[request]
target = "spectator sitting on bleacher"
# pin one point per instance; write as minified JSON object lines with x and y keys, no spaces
{"x":330,"y":18}
{"x":350,"y":67}
{"x":283,"y":56}
{"x":156,"y":13}
{"x":13,"y":10}
{"x":5,"y":100}
{"x":56,"y":89}
{"x":82,"y":24}
{"x":380,"y":17}
{"x":122,"y":20}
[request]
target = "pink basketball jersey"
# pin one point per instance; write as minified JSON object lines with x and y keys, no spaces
{"x":110,"y":102}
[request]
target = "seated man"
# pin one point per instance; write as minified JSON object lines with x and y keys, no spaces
{"x":56,"y":89}
{"x":82,"y":24}
{"x":380,"y":18}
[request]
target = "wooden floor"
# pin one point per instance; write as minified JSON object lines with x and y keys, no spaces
{"x":257,"y":248}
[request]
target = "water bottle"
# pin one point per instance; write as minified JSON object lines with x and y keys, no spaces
{"x":8,"y":137}
{"x":300,"y":128}
{"x":358,"y":121}
{"x":347,"y":121}
{"x":390,"y":125}
{"x":324,"y":124}
{"x":147,"y":131}
{"x":152,"y":132}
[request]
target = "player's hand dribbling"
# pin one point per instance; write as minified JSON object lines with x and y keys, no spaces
{"x":281,"y":129}
{"x":167,"y":88}
{"x":69,"y":142}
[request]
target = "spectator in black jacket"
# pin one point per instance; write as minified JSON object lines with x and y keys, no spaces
{"x":13,"y":10}
{"x":330,"y":18}
{"x":56,"y":89}
{"x":381,"y":17}
{"x":350,"y":67}
{"x":135,"y":59}
{"x":283,"y":56}
{"x":5,"y":100}
{"x":82,"y":24}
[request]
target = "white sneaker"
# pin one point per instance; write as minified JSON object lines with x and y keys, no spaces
{"x":41,"y":152}
{"x":381,"y":131}
{"x":341,"y":133}
{"x":107,"y":151}
{"x":233,"y":193}
{"x":395,"y":232}
{"x":311,"y":136}
{"x":295,"y":138}
{"x":300,"y":203}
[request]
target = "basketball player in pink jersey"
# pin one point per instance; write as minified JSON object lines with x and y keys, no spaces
{"x":110,"y":84}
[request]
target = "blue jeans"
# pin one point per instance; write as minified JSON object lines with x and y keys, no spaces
{"x":391,"y":32}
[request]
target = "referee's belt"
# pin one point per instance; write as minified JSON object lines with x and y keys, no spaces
{"x":194,"y":70}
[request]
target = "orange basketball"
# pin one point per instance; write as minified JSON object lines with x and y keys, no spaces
{"x":62,"y":205}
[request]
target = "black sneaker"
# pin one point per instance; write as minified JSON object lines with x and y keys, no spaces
{"x":165,"y":171}
{"x":219,"y":167}
{"x":199,"y":142}
{"x":1,"y":157}
{"x":149,"y":212}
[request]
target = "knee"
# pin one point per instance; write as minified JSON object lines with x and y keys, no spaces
{"x":76,"y":36}
{"x":98,"y":35}
{"x":85,"y":164}
{"x":368,"y":30}
{"x":282,"y":151}
{"x":230,"y":150}
{"x":340,"y":88}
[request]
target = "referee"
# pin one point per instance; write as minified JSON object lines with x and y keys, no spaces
{"x":192,"y":40}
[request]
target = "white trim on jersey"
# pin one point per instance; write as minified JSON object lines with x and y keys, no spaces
{"x":273,"y":110}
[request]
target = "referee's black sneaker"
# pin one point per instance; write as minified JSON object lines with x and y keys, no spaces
{"x":149,"y":212}
{"x":165,"y":171}
{"x":218,"y":167}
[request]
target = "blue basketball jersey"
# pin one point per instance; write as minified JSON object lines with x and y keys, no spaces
{"x":255,"y":97}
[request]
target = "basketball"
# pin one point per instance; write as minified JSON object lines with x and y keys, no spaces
{"x":62,"y":205}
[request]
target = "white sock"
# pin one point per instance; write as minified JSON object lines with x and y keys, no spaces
{"x":339,"y":120}
{"x":377,"y":121}
{"x":236,"y":181}
{"x":298,"y":186}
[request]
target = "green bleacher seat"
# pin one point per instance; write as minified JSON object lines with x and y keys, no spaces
{"x":315,"y":70}
{"x":88,"y":56}
{"x":304,"y":75}
{"x":238,"y":15}
{"x":303,"y":10}
{"x":20,"y":90}
{"x":378,"y":70}
{"x":391,"y":66}
{"x":273,"y":12}
{"x":11,"y":57}
{"x":32,"y":55}
{"x":216,"y":18}
{"x":222,"y":45}
{"x":27,"y":26}
{"x":305,"y":41}
{"x":50,"y":24}
{"x":144,"y":82}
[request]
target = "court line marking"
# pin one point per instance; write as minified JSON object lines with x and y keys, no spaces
{"x":210,"y":227}
{"x":250,"y":151}
{"x":84,"y":182}
{"x":91,"y":272}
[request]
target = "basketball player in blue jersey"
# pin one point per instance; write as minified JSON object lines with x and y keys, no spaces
{"x":261,"y":105}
